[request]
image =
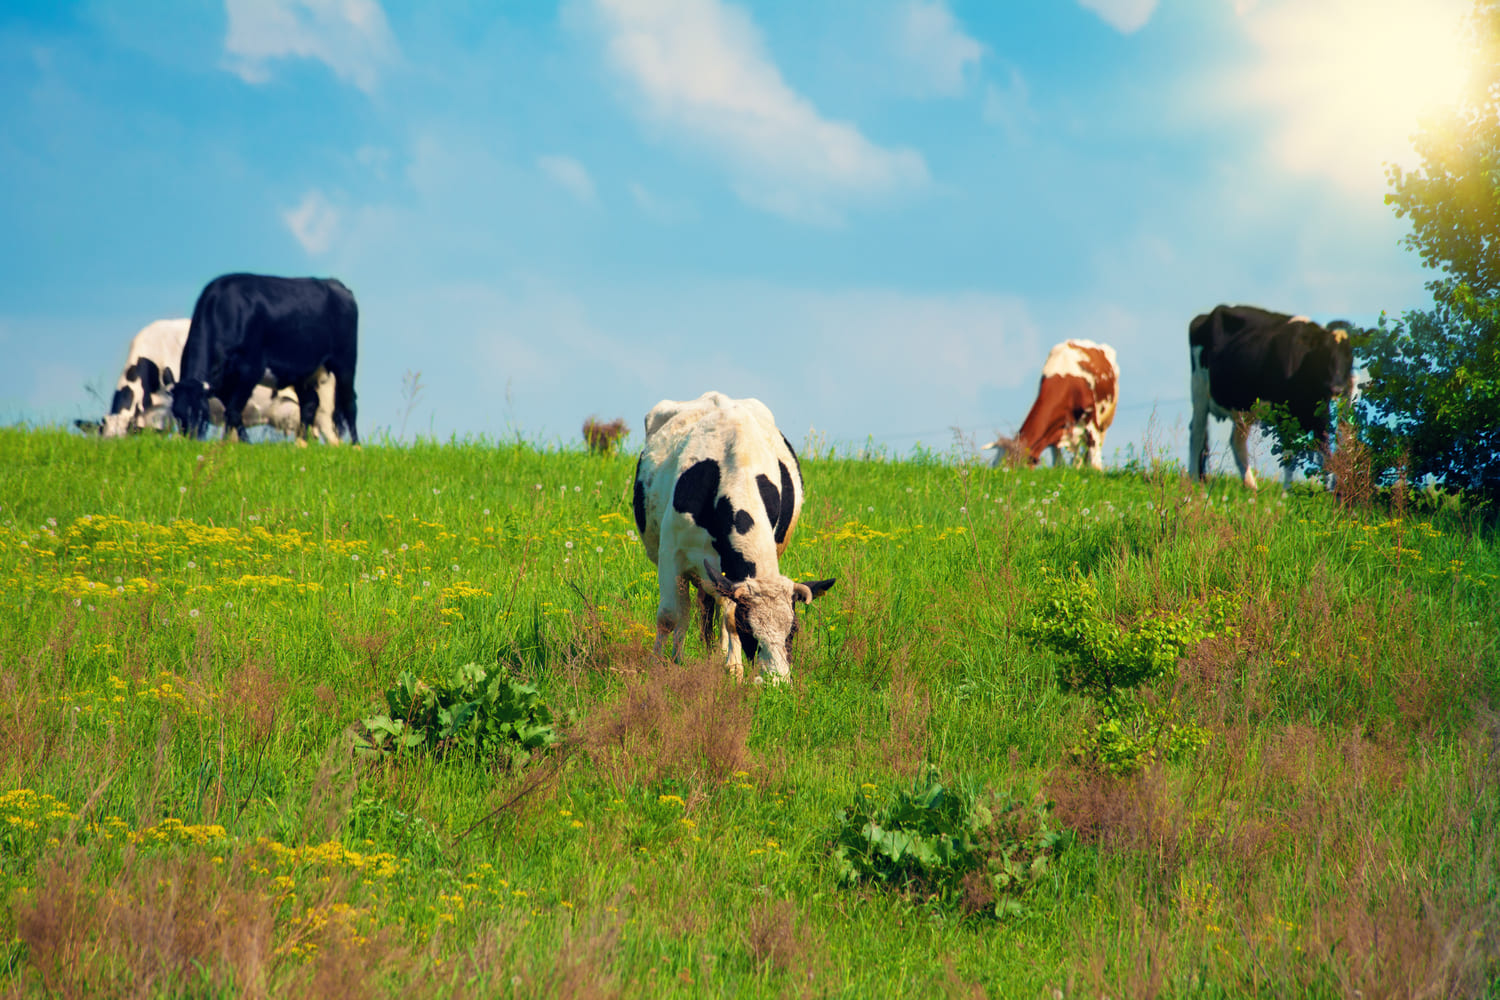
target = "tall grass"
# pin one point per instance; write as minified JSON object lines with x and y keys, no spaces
{"x":190,"y":634}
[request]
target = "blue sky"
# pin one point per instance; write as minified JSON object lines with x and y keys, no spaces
{"x":874,"y":215}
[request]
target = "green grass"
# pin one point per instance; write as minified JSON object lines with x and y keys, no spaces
{"x":190,"y":634}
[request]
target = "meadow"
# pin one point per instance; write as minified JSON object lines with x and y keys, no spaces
{"x":193,"y":633}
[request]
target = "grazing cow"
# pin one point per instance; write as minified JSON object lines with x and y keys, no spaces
{"x":250,"y":329}
{"x":143,"y":395}
{"x":1241,"y":355}
{"x":1075,"y":404}
{"x":717,"y":494}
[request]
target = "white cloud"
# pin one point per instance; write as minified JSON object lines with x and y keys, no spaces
{"x":658,"y":208}
{"x":1342,"y":84}
{"x":1009,"y":105}
{"x":1125,"y":16}
{"x":935,"y":48}
{"x":350,"y":36}
{"x":314,"y":222}
{"x":699,"y":70}
{"x":569,"y":174}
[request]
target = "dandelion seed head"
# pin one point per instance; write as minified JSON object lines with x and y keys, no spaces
{"x":193,"y":613}
{"x":182,"y":489}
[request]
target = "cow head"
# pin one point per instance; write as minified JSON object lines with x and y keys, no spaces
{"x":1011,"y":451}
{"x":190,"y":407}
{"x":765,"y":615}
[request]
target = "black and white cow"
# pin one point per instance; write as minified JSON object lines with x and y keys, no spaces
{"x":250,"y":329}
{"x":717,"y":494}
{"x":1241,"y":354}
{"x":143,"y":394}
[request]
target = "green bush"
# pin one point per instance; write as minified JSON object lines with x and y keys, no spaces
{"x":952,"y":846}
{"x":1109,"y":663}
{"x":471,"y":714}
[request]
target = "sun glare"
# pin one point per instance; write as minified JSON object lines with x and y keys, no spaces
{"x":1347,"y":82}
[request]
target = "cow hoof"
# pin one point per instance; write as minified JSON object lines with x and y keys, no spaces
{"x":301,"y":442}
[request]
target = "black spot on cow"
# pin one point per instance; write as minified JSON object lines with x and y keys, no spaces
{"x":638,"y":502}
{"x":770,"y":497}
{"x":124,"y":400}
{"x":167,"y":378}
{"x":793,"y":452}
{"x":788,"y":502}
{"x":150,"y":377}
{"x":696,"y":494}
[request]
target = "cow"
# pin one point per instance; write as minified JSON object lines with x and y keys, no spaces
{"x":143,"y":394}
{"x":717,"y":493}
{"x":249,"y":329}
{"x":1075,"y":404}
{"x":602,"y":437}
{"x":1241,"y":355}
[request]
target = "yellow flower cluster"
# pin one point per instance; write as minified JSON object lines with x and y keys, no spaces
{"x":23,"y":810}
{"x":174,"y":831}
{"x":332,"y":854}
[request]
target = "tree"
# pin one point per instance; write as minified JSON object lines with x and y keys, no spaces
{"x":1432,"y":404}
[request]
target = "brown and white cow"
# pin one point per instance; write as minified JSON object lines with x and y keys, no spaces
{"x":143,"y":394}
{"x":717,"y":494}
{"x":1242,"y":354}
{"x":1075,"y":404}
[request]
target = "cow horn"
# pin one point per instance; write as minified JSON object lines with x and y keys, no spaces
{"x":721,"y":585}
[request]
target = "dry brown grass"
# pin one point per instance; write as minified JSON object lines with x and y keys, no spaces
{"x":160,"y":925}
{"x":779,"y":941}
{"x":685,"y":722}
{"x":903,"y":747}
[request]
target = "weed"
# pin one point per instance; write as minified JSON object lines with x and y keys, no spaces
{"x":957,"y":846}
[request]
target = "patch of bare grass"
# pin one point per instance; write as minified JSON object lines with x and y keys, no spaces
{"x":685,"y":722}
{"x":780,"y":941}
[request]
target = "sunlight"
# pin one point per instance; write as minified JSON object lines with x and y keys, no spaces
{"x":1348,"y":81}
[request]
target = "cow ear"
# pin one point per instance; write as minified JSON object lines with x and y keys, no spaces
{"x":806,"y":592}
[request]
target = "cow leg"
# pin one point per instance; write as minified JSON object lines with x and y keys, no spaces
{"x":323,"y":419}
{"x":343,"y":402}
{"x":1238,"y":438}
{"x":1057,"y":456}
{"x":235,"y":394}
{"x":1095,"y":439}
{"x":672,"y":612}
{"x":1198,"y":428}
{"x":708,"y":609}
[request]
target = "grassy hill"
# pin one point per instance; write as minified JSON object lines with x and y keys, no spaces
{"x":1301,"y":798}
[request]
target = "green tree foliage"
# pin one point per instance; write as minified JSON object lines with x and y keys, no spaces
{"x":1433,"y":400}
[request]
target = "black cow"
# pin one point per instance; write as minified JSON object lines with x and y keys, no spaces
{"x":1241,"y":354}
{"x":251,"y":329}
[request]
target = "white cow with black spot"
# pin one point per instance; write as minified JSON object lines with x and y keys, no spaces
{"x":717,"y":493}
{"x":143,"y":394}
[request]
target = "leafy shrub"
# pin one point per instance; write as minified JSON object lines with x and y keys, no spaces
{"x":1108,"y":663}
{"x":472,"y":714}
{"x":953,"y":846}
